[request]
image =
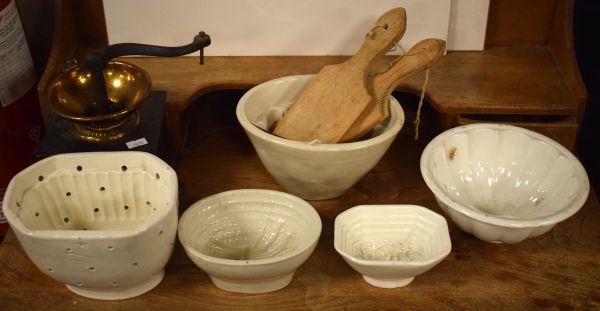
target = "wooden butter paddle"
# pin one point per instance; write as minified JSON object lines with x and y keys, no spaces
{"x":421,"y":56}
{"x":332,"y":101}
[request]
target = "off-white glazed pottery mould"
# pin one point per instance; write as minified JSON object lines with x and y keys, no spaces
{"x":391,"y":244}
{"x":250,"y":241}
{"x":503,"y":183}
{"x":103,"y":223}
{"x":311,"y":171}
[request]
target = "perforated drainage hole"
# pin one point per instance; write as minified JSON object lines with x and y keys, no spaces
{"x":68,"y":250}
{"x":123,"y":168}
{"x":40,"y":178}
{"x":148,"y":203}
{"x":171,"y":244}
{"x":96,"y":210}
{"x":135,"y":263}
{"x":157,"y":176}
{"x":79,"y":168}
{"x":110,"y":248}
{"x":92,"y":269}
{"x":50,"y":270}
{"x":126,"y":207}
{"x":66,"y":219}
{"x":37,"y":214}
{"x":160,"y":232}
{"x":68,"y":194}
{"x":79,"y":283}
{"x":102,"y":188}
{"x":18,"y":204}
{"x":115,"y":284}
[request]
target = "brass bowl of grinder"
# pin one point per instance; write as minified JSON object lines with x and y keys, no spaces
{"x":72,"y":97}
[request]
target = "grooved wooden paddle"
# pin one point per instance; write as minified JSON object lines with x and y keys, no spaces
{"x":332,"y":101}
{"x":418,"y":58}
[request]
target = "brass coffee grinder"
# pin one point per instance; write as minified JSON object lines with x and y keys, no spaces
{"x":105,"y":105}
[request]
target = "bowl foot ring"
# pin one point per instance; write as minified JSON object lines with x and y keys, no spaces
{"x":254,"y":286}
{"x":118,"y":292}
{"x":388,"y":283}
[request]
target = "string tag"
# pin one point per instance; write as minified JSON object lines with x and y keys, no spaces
{"x":418,"y":117}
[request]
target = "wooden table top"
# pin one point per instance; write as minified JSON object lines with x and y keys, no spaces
{"x":558,"y":270}
{"x":499,"y":80}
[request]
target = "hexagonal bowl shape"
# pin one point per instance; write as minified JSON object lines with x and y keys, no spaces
{"x":503,"y":183}
{"x":310,"y":171}
{"x":391,"y":244}
{"x":103,"y":223}
{"x":250,"y":241}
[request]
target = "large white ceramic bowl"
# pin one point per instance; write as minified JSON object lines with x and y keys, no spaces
{"x":103,"y":223}
{"x":391,"y":244}
{"x":310,"y":171}
{"x":503,"y":183}
{"x":250,"y":241}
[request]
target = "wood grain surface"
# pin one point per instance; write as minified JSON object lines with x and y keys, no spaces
{"x":500,"y":80}
{"x":331,"y":103}
{"x":558,"y":270}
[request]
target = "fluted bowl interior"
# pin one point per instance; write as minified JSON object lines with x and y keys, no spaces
{"x":391,"y":244}
{"x":103,"y":223}
{"x":504,"y":175}
{"x":391,"y":233}
{"x":250,"y":240}
{"x":248,"y":225}
{"x":80,"y":197}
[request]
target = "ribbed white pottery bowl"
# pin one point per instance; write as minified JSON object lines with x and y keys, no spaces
{"x":503,"y":183}
{"x":311,"y":171}
{"x":391,"y":244}
{"x":103,"y":223}
{"x":250,"y":241}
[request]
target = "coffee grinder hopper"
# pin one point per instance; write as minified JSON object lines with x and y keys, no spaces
{"x":101,"y":97}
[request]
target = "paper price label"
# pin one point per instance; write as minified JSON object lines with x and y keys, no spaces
{"x":136,"y":143}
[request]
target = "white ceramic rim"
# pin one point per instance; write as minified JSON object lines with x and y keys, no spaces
{"x":17,"y":224}
{"x":395,"y":110}
{"x":474,"y":213}
{"x":252,"y":262}
{"x":387,"y":263}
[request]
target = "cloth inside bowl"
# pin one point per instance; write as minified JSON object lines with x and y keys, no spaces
{"x":267,"y":120}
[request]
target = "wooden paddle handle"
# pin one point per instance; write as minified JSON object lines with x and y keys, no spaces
{"x":418,"y":58}
{"x":421,"y":56}
{"x":386,"y":31}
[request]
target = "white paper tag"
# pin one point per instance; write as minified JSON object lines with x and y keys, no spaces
{"x":136,"y":143}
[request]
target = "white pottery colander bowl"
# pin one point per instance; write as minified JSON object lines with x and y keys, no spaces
{"x":503,"y":183}
{"x":103,"y":223}
{"x":250,"y":241}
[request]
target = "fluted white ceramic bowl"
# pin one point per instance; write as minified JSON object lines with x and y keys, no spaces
{"x":103,"y":223}
{"x":503,"y":183}
{"x":250,"y":241}
{"x":311,"y":171}
{"x":391,"y":244}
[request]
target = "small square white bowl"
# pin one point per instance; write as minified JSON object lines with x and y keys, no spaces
{"x":391,"y":244}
